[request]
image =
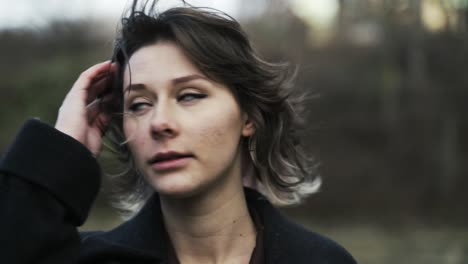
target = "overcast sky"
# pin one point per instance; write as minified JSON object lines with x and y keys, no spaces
{"x":36,"y":13}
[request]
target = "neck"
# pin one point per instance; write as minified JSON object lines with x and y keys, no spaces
{"x":210,"y":228}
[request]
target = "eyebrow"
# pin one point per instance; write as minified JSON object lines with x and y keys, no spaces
{"x":178,"y":80}
{"x":188,"y":78}
{"x":135,"y":87}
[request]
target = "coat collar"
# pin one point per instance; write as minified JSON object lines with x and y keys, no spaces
{"x":143,"y":236}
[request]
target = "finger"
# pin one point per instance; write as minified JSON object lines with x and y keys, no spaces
{"x":112,"y":68}
{"x":105,"y":104}
{"x":101,"y":84}
{"x":89,"y":76}
{"x":109,"y":72}
{"x":110,"y":104}
{"x":98,"y":69}
{"x":102,"y":123}
{"x":98,"y":88}
{"x":97,"y":131}
{"x":92,"y":111}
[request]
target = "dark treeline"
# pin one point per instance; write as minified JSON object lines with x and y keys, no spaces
{"x":389,"y":123}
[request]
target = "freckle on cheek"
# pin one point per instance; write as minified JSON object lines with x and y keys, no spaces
{"x":215,"y":133}
{"x":211,"y":135}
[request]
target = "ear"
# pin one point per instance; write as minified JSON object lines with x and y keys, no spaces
{"x":249,"y":128}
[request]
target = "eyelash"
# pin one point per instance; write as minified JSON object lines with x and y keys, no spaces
{"x":135,"y":106}
{"x":192,"y":96}
{"x":188,"y":97}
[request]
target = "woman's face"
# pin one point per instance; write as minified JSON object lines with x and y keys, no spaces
{"x":183,"y":129}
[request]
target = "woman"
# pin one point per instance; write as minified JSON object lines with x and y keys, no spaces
{"x":196,"y":115}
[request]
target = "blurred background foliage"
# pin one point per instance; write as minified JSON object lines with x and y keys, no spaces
{"x":389,"y":123}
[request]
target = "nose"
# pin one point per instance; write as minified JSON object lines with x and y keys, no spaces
{"x":163,"y":123}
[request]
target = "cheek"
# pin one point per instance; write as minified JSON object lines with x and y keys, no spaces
{"x":211,"y":136}
{"x":220,"y":131}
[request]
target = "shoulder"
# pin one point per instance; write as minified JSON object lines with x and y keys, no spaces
{"x":288,"y":242}
{"x":309,"y":246}
{"x":139,"y":238}
{"x":113,"y":245}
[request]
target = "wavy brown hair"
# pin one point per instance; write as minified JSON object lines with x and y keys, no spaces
{"x":216,"y":44}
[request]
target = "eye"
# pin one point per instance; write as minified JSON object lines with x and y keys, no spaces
{"x":138,"y":107}
{"x":188,"y":97}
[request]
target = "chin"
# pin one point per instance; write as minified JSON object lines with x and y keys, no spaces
{"x":175,"y":186}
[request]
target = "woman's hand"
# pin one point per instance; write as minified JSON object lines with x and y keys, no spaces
{"x":80,"y":115}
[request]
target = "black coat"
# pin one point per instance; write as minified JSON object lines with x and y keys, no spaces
{"x":48,"y":182}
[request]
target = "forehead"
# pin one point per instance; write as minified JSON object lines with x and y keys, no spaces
{"x":158,"y":62}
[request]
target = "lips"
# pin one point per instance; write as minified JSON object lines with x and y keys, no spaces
{"x":168,"y":161}
{"x":167,"y":156}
